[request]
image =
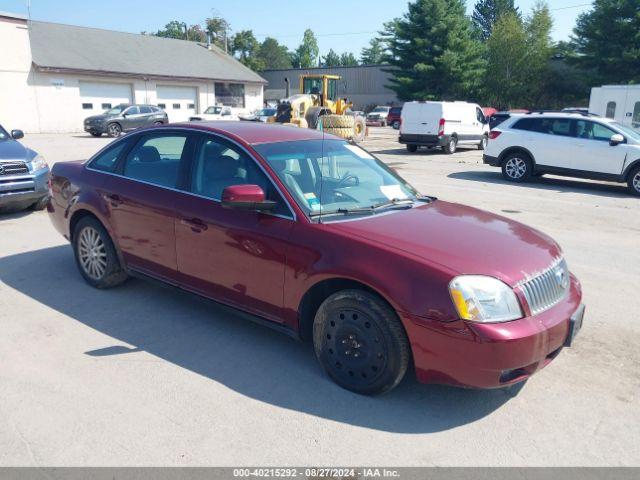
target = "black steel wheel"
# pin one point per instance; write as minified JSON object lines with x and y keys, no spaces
{"x":360,"y":342}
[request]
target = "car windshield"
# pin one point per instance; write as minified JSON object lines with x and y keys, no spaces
{"x":380,"y":109}
{"x":213,"y":110}
{"x":115,"y":110}
{"x":631,"y":132}
{"x":333,"y":177}
{"x":267,"y":112}
{"x":3,"y":134}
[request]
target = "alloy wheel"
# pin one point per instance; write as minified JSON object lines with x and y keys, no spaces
{"x":355,"y":347}
{"x":516,"y":168}
{"x":92,"y":253}
{"x":636,"y":182}
{"x":114,"y":130}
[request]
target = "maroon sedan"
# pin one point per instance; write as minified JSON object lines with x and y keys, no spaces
{"x":316,"y":237}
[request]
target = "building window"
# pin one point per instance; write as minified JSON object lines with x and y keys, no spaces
{"x":106,"y":106}
{"x":230,"y":94}
{"x":162,"y":105}
{"x":176,"y":106}
{"x":635,"y":121}
{"x":611,"y":110}
{"x":87,"y":106}
{"x":191,"y":106}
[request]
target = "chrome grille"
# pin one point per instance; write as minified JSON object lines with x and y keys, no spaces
{"x":548,"y":288}
{"x":13,"y":168}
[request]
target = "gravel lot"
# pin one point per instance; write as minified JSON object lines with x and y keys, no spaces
{"x":145,"y":375}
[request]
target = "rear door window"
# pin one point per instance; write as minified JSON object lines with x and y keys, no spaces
{"x":156,"y":160}
{"x":108,"y":160}
{"x":145,"y":110}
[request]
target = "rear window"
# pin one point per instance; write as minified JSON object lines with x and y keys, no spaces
{"x":107,"y":160}
{"x":395,"y":110}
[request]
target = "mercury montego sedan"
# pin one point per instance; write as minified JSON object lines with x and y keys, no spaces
{"x":316,"y":237}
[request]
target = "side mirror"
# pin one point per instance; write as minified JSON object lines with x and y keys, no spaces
{"x":616,"y":140}
{"x":246,"y":197}
{"x":17,"y":134}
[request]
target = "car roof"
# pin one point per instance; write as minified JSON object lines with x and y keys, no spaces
{"x":256,"y":133}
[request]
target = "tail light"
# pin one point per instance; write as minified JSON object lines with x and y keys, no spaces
{"x":493,"y":134}
{"x":441,"y":127}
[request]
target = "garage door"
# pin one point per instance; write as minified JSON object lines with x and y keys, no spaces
{"x":98,"y":96}
{"x":179,"y":102}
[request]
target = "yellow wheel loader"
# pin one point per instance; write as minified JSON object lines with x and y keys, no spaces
{"x":319,"y":106}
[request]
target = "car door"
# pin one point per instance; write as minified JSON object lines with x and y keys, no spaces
{"x":140,"y":199}
{"x":132,"y":118}
{"x":147,"y":116}
{"x":236,"y":257}
{"x":594,"y":153}
{"x":550,"y":140}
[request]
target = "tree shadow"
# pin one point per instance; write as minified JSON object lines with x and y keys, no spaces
{"x":217,"y":343}
{"x":555,"y":184}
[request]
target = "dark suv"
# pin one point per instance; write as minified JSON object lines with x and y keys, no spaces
{"x":124,"y":117}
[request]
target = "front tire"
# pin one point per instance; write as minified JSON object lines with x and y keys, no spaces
{"x":360,"y":342}
{"x":96,"y":255}
{"x":114,"y":130}
{"x":412,"y":148}
{"x":634,"y":181}
{"x":517,"y":167}
{"x":396,"y":125}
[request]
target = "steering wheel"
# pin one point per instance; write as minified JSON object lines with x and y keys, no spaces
{"x":348,"y":176}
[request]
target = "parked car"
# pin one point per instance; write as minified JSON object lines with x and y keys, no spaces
{"x":23,"y":174}
{"x":263,"y":115}
{"x":497,"y":118}
{"x":574,"y":145}
{"x":314,"y":236}
{"x":215,"y":113}
{"x":443,"y":124}
{"x":378,"y":116}
{"x":394,"y":117}
{"x":123,"y":117}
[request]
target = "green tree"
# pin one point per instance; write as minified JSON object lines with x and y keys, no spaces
{"x":374,"y":53}
{"x":306,"y":55}
{"x":219,"y":30}
{"x":246,"y":48}
{"x":539,"y":52}
{"x":348,"y":59}
{"x":180,"y":30}
{"x":331,"y":59}
{"x":432,"y":53}
{"x":487,"y":12}
{"x":608,"y":40}
{"x":506,"y":78}
{"x":273,"y":55}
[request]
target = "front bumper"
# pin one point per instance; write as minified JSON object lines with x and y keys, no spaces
{"x":424,"y":140}
{"x":490,"y":355}
{"x":95,"y":128}
{"x":24,"y":189}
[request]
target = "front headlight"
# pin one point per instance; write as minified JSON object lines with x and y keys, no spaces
{"x":38,"y":163}
{"x":484,"y":299}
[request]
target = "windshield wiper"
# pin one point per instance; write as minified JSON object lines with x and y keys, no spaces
{"x":396,"y":202}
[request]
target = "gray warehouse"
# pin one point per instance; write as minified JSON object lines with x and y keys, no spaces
{"x":364,"y":85}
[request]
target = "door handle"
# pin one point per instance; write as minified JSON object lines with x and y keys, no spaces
{"x":114,"y":200}
{"x":195,"y":224}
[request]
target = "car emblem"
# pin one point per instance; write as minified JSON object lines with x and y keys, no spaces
{"x":562,"y":278}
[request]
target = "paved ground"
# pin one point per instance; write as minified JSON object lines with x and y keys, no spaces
{"x":144,"y":375}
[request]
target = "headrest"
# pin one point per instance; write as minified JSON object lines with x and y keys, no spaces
{"x":149,"y":154}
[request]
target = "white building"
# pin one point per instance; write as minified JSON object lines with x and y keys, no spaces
{"x":620,"y":102}
{"x":52,"y":76}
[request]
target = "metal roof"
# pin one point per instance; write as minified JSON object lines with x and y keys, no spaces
{"x":66,"y":47}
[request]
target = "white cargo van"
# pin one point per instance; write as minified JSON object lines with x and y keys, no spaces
{"x":443,"y":124}
{"x":618,"y":102}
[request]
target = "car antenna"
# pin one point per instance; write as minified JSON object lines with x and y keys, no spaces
{"x":320,"y":125}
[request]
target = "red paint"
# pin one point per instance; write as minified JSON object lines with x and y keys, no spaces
{"x":243,"y":194}
{"x":265,"y":264}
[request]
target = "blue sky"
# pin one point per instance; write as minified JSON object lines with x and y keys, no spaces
{"x":344,"y":25}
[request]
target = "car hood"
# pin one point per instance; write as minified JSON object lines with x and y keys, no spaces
{"x":100,"y":117}
{"x":12,"y":150}
{"x":459,"y":238}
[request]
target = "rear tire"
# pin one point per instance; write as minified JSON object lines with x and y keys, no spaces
{"x":96,"y":255}
{"x":452,"y":146}
{"x":517,"y":167}
{"x":360,"y":342}
{"x":634,"y":181}
{"x":412,"y":148}
{"x":337,"y":121}
{"x":483,"y":143}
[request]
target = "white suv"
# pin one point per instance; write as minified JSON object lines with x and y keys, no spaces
{"x":573,"y":145}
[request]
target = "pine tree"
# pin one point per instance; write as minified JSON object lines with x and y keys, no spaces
{"x":273,"y":55}
{"x":432,"y":53}
{"x":331,"y":59}
{"x":487,"y":12}
{"x":306,"y":55}
{"x":608,"y":40}
{"x":348,"y":59}
{"x":374,"y":53}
